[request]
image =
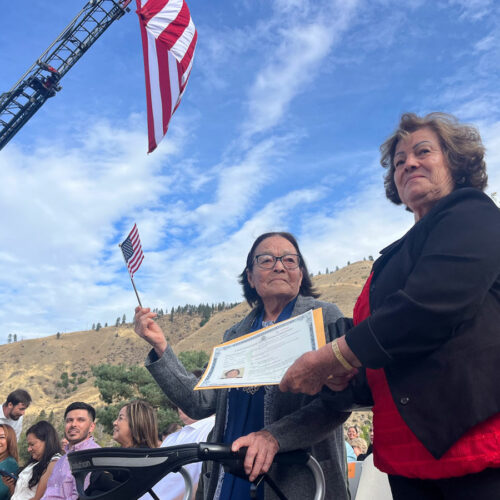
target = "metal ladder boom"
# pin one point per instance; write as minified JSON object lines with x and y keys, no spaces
{"x":41,"y":81}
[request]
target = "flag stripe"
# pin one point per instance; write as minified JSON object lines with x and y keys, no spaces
{"x":169,"y":41}
{"x":176,"y":35}
{"x":173,"y":66}
{"x":165,"y":88}
{"x":135,"y":267}
{"x":153,"y":8}
{"x":183,"y":42}
{"x":155,"y":70}
{"x":132,"y":251}
{"x":187,"y":61}
{"x":149,"y":104}
{"x":165,"y":21}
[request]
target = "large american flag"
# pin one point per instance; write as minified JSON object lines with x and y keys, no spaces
{"x":168,"y":43}
{"x":132,"y":251}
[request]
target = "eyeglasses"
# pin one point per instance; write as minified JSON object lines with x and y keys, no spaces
{"x":268,"y":261}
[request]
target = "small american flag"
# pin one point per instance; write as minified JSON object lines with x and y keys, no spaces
{"x":132,"y":251}
{"x":168,"y":42}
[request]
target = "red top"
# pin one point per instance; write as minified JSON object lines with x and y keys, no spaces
{"x":397,"y":450}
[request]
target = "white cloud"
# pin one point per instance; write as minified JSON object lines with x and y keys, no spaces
{"x":474,"y":9}
{"x":302,"y":44}
{"x":202,"y":198}
{"x":60,"y":209}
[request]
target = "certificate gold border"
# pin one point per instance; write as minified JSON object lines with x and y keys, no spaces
{"x":320,"y":340}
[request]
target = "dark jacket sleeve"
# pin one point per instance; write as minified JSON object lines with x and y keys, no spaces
{"x":455,"y":260}
{"x":357,"y":396}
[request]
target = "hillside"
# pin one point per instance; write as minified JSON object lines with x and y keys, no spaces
{"x":37,"y":364}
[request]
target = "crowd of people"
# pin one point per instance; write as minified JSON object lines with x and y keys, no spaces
{"x":47,"y":473}
{"x":422,"y":348}
{"x":357,"y":447}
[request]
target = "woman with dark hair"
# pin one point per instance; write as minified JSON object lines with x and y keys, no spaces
{"x":276,"y":284}
{"x":136,"y":426}
{"x":44,"y":448}
{"x":426,"y":325}
{"x":9,"y":459}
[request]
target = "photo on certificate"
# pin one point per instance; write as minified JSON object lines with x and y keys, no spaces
{"x":262,"y":357}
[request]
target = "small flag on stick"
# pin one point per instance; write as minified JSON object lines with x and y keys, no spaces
{"x":132,"y":253}
{"x":168,"y":42}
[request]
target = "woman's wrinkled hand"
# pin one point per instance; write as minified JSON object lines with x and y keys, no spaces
{"x":313,"y":370}
{"x":148,"y":329}
{"x":262,"y":446}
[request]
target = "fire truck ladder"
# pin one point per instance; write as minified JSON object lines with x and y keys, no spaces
{"x":41,"y":81}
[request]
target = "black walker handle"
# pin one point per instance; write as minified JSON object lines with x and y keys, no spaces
{"x":134,"y":471}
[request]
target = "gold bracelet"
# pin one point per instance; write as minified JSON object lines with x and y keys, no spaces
{"x":340,"y":357}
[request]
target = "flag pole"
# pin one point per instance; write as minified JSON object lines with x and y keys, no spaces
{"x":131,"y":279}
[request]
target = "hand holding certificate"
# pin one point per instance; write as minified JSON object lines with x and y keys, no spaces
{"x":263,"y":357}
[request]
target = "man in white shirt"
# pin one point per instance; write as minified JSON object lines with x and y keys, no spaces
{"x":172,"y":486}
{"x":12,"y":411}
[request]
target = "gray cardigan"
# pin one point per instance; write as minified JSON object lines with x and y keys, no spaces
{"x":296,"y":421}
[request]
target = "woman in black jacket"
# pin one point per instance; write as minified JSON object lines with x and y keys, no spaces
{"x":426,"y":326}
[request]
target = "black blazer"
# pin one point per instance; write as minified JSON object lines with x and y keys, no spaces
{"x":435,"y":319}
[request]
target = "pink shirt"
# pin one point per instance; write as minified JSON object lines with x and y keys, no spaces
{"x":62,"y":484}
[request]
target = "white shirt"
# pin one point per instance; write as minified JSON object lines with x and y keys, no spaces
{"x":17,"y":425}
{"x":23,"y":491}
{"x":172,"y":485}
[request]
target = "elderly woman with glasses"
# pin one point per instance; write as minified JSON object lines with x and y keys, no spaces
{"x":276,"y":284}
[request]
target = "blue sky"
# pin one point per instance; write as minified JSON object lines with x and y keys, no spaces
{"x":279,"y":129}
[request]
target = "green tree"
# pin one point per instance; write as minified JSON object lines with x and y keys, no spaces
{"x":65,"y":381}
{"x":98,"y":327}
{"x":120,"y":384}
{"x":205,"y":315}
{"x":124,"y":319}
{"x":194,"y":360}
{"x":15,"y":337}
{"x":117,"y":321}
{"x":172,"y":314}
{"x":9,"y":338}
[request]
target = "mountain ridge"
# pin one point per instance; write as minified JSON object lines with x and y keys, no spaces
{"x":38,"y":364}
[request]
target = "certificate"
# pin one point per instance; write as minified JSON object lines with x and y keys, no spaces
{"x":263,"y":357}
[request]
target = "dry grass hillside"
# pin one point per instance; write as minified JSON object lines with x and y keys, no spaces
{"x":37,"y":364}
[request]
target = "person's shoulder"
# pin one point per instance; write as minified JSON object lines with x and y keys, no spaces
{"x":461,"y":210}
{"x":93,"y":444}
{"x":9,"y":464}
{"x":241,"y":327}
{"x":466,"y":199}
{"x":306,"y":303}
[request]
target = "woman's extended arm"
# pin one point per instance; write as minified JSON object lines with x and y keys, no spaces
{"x":178,"y":384}
{"x":148,"y":329}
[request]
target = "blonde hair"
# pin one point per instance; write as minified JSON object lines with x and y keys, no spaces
{"x":359,"y":443}
{"x":143,"y":424}
{"x":11,"y":438}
